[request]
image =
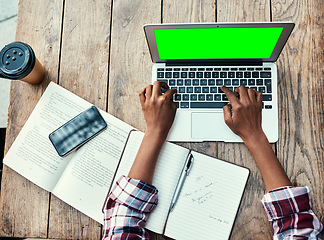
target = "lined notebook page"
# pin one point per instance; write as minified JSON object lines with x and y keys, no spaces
{"x":167,"y":172}
{"x":209,"y":200}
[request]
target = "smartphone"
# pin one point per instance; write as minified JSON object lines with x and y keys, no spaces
{"x":77,"y":131}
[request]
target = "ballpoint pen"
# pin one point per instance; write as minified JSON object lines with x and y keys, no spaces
{"x":182,"y":178}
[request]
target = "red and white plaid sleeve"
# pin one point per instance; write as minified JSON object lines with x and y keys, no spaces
{"x":128,"y":208}
{"x":290,"y":210}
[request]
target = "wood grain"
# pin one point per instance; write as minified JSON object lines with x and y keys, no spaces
{"x":130,"y":62}
{"x":251,"y":221}
{"x":24,"y":206}
{"x":83,"y":71}
{"x":301,"y":97}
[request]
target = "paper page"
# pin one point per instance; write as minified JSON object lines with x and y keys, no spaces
{"x":209,"y":200}
{"x":86,"y":181}
{"x":32,"y":154}
{"x":166,"y":175}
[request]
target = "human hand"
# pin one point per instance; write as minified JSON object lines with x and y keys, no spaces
{"x":159,"y":110}
{"x":246,"y":118}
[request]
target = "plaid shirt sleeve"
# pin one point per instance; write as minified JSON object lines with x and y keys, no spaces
{"x":290,"y":210}
{"x":127,"y":209}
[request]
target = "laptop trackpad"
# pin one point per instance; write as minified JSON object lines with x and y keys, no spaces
{"x":209,"y":125}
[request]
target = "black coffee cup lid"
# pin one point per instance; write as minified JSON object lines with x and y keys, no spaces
{"x":17,"y":60}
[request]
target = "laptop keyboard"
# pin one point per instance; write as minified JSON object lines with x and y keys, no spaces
{"x":199,"y":87}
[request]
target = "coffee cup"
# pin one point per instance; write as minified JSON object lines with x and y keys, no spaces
{"x":18,"y":61}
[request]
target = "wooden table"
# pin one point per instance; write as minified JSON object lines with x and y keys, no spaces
{"x":97,"y":49}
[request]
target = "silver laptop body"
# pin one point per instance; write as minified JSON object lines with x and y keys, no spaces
{"x":197,"y":59}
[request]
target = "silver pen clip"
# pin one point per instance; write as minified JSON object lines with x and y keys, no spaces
{"x":189,"y":163}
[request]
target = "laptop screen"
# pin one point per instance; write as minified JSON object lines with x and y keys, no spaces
{"x":211,"y":43}
{"x":217,"y":42}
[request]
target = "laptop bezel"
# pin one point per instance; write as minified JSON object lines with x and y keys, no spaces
{"x":150,"y":37}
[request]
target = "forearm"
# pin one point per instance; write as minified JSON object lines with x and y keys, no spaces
{"x":271,"y":170}
{"x":146,"y":158}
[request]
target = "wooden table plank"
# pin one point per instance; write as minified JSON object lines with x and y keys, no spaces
{"x":24,"y":206}
{"x":301,"y":97}
{"x":83,"y":71}
{"x":251,"y":221}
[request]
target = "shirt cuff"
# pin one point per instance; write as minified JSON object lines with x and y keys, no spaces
{"x":285,"y":201}
{"x":135,"y":194}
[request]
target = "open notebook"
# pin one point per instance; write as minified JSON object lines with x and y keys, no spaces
{"x":209,"y":199}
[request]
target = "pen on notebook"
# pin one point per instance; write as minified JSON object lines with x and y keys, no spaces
{"x":182,"y":178}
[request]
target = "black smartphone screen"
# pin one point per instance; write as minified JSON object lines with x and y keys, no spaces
{"x":77,"y":131}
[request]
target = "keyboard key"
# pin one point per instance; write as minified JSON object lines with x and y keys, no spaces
{"x":261,"y":89}
{"x":184,"y":105}
{"x":201,"y":69}
{"x":209,"y":69}
{"x":220,"y":90}
{"x":231,"y":88}
{"x":207,"y":74}
{"x":205,"y":89}
{"x":268,"y":106}
{"x":207,"y":104}
{"x":243,"y":82}
{"x":188,"y":82}
{"x":217,"y":69}
{"x":185,"y":97}
{"x":267,"y":97}
{"x":171,"y":82}
{"x":192,"y":74}
{"x":195,"y":82}
{"x":182,"y":89}
{"x":235,"y":82}
{"x":259,"y":69}
{"x":251,"y":82}
{"x":177,"y":97}
{"x":227,"y":82}
{"x":163,"y":80}
{"x":217,"y":97}
{"x":199,"y":74}
{"x":215,"y":74}
{"x":203,"y":82}
{"x":193,"y":97}
{"x":162,"y":69}
{"x":184,"y":69}
{"x":177,"y":104}
{"x":189,"y":90}
{"x":223,"y":74}
{"x":255,"y":74}
{"x":168,"y":74}
{"x":176,"y":69}
{"x":176,"y":74}
{"x":234,"y":69}
{"x":267,"y":82}
{"x":168,"y":69}
{"x":225,"y":69}
{"x":254,"y":88}
{"x":184,"y":74}
{"x":267,"y":69}
{"x":219,"y":82}
{"x":160,"y":74}
{"x":197,"y":89}
{"x":265,"y":74}
{"x":247,"y":74}
{"x":201,"y":97}
{"x":242,"y":69}
{"x":180,"y":82}
{"x":259,"y":82}
{"x":239,"y":74}
{"x":193,"y":69}
{"x":211,"y":82}
{"x":213,"y":89}
{"x":209,"y":97}
{"x":231,"y":74}
{"x":224,"y":97}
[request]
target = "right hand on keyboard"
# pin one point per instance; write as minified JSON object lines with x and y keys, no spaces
{"x":245,"y":120}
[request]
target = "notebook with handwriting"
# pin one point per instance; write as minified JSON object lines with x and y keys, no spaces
{"x":209,"y":199}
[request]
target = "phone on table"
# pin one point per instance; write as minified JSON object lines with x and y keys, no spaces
{"x":77,"y":131}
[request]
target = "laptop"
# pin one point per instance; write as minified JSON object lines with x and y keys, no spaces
{"x":197,"y":59}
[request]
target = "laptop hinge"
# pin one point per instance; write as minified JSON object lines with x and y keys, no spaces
{"x":214,"y":64}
